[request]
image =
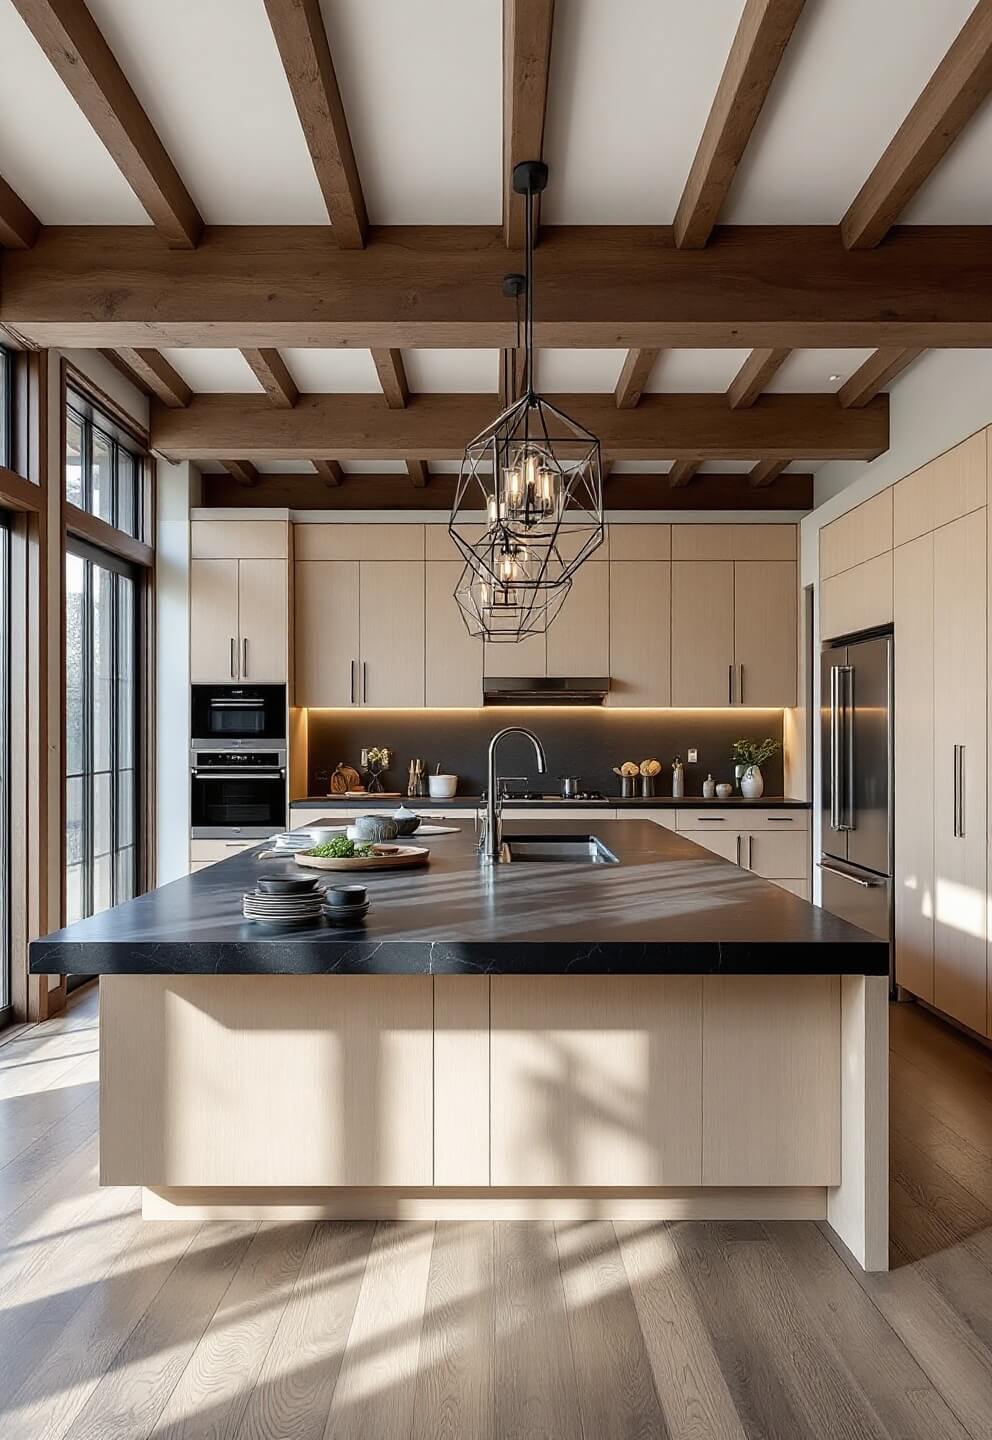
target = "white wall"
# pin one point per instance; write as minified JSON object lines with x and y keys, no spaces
{"x":178,"y":492}
{"x":110,"y":380}
{"x":941,"y":400}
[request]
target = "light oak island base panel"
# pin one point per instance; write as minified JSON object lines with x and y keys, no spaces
{"x":495,"y":1097}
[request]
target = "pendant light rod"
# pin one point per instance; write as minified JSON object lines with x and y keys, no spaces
{"x":530,"y":177}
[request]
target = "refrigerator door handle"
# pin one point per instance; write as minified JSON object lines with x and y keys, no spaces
{"x":845,"y":875}
{"x":844,"y":774}
{"x":834,"y":748}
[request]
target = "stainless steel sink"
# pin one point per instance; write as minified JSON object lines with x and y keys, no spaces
{"x":563,"y":849}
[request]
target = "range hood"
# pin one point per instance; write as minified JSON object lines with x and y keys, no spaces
{"x":545,"y":690}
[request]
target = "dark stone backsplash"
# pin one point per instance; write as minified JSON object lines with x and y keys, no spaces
{"x":585,"y":742}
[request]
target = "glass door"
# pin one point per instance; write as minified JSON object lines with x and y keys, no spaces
{"x":102,"y":668}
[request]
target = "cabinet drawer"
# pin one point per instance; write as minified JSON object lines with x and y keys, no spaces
{"x":664,"y":818}
{"x":208,"y":852}
{"x":741,"y":819}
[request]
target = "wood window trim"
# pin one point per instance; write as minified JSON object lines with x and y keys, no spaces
{"x":90,"y":528}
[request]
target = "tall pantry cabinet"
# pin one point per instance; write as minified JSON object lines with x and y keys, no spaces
{"x":940,"y":601}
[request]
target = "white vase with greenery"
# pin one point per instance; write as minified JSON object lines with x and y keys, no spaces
{"x":749,"y":756}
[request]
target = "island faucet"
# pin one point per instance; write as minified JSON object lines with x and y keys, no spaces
{"x":491,"y":840}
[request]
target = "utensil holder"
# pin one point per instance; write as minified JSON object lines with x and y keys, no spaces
{"x":628,"y":787}
{"x":648,"y":785}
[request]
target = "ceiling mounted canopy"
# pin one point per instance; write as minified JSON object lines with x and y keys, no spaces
{"x":536,"y":475}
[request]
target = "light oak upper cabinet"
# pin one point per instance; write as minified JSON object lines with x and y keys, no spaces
{"x":960,"y":766}
{"x":453,"y":666}
{"x":326,"y":632}
{"x":360,"y":633}
{"x":391,"y":632}
{"x":239,"y":600}
{"x":640,"y":632}
{"x":579,"y":640}
{"x":263,"y":609}
{"x":239,"y":620}
{"x":734,"y":606}
{"x":213,"y":620}
{"x":702,"y":632}
{"x":765,"y":642}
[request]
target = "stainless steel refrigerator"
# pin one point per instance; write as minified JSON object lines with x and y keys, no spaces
{"x":856,"y":836}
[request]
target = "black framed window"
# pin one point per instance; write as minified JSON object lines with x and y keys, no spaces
{"x":5,"y":752}
{"x":6,"y":407}
{"x":103,"y":648}
{"x":102,"y":466}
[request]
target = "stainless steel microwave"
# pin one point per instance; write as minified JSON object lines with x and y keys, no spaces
{"x":236,"y":715}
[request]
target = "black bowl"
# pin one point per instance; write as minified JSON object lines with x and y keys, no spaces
{"x":286,"y":884}
{"x":345,"y":895}
{"x":346,"y":914}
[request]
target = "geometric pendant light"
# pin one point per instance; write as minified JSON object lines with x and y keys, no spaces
{"x":536,"y":475}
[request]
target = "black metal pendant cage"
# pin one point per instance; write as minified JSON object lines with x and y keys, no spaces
{"x":508,"y":612}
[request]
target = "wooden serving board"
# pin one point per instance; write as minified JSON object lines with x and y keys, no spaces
{"x":403,"y":855}
{"x":372,"y":795}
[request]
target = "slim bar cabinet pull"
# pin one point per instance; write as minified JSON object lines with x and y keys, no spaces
{"x":730,"y":684}
{"x":740,"y":686}
{"x":232,"y":657}
{"x":959,"y":828}
{"x":365,"y":682}
{"x":351,"y":687}
{"x":244,"y":658}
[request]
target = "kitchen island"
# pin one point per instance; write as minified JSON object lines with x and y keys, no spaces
{"x":665,"y":1035}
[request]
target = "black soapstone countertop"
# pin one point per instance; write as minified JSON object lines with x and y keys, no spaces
{"x":669,"y":907}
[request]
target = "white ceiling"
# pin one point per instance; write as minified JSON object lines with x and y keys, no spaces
{"x":422,"y":86}
{"x":448,"y":371}
{"x":343,"y":370}
{"x":808,"y":371}
{"x":48,"y":152}
{"x":850,"y":74}
{"x":214,"y":372}
{"x":631,"y":85}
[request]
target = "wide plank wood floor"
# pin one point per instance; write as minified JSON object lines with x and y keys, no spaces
{"x":114,"y":1327}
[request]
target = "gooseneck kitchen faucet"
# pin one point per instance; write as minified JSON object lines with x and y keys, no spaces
{"x":491,"y":840}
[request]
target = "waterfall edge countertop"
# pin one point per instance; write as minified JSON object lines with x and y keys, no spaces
{"x":667,"y":907}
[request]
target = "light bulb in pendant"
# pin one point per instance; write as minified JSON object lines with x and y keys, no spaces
{"x":546,"y":488}
{"x":492,"y":509}
{"x":512,"y":485}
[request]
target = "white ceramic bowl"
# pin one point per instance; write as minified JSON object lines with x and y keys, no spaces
{"x":321,"y":834}
{"x":442,"y":787}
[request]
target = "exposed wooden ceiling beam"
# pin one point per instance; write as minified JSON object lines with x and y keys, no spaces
{"x":243,"y":471}
{"x":394,"y":492}
{"x":753,"y":376}
{"x":435,"y":427}
{"x":151,"y":372}
{"x":959,"y":85}
{"x":440,"y":286}
{"x":69,"y":36}
{"x":527,"y":26}
{"x":877,"y":372}
{"x":329,"y":471}
{"x":682,"y":473}
{"x":300,"y":36}
{"x":392,"y":377}
{"x":766,"y":471}
{"x":637,"y":366}
{"x":419,"y":473}
{"x":762,"y":35}
{"x":269,"y":369}
{"x":19,"y":226}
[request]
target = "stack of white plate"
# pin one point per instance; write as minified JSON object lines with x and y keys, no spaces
{"x":292,"y":841}
{"x":283,"y":909}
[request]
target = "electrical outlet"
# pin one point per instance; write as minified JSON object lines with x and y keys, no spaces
{"x":692,"y":755}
